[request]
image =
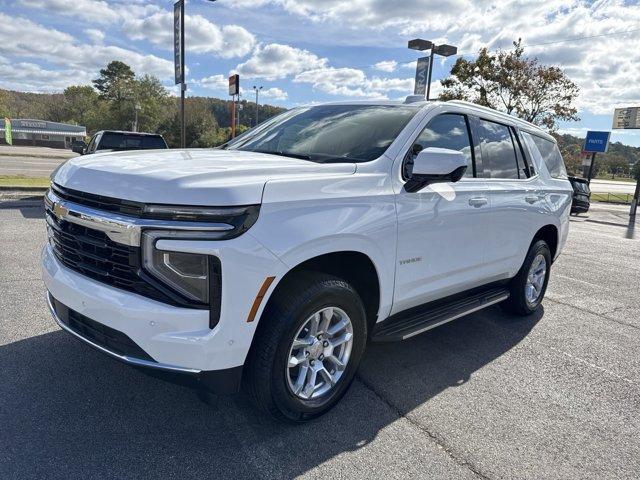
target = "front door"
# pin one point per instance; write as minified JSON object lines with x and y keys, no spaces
{"x":442,"y":229}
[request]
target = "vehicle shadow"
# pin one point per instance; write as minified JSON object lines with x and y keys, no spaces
{"x":69,"y":411}
{"x":29,"y":207}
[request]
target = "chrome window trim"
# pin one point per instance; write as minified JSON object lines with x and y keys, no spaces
{"x":120,"y":228}
{"x":122,"y":358}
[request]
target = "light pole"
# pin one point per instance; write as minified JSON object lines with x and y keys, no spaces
{"x":178,"y":15}
{"x":136,"y":108}
{"x":257,"y":90}
{"x":443,"y":50}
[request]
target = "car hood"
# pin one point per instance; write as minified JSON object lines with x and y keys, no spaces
{"x":186,"y":177}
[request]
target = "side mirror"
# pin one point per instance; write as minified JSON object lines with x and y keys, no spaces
{"x":436,"y":165}
{"x":78,"y":147}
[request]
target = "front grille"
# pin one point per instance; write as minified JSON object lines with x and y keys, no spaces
{"x":93,"y":254}
{"x":106,"y":337}
{"x":100,"y":202}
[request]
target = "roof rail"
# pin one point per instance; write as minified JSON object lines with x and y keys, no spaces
{"x":494,"y":112}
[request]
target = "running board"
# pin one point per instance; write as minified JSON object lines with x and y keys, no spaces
{"x":407,"y":324}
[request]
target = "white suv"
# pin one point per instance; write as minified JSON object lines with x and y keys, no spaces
{"x":273,"y":261}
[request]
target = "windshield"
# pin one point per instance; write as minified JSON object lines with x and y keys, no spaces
{"x":123,"y":141}
{"x":329,"y":133}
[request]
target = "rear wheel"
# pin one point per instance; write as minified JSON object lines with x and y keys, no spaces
{"x":307,"y":348}
{"x":530,"y":284}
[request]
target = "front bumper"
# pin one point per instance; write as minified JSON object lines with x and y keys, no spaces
{"x":178,"y":339}
{"x":225,"y":381}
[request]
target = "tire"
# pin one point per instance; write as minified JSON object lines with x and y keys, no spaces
{"x":519,"y":303}
{"x":269,"y":378}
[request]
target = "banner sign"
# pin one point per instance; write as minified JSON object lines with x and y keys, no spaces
{"x":597,"y":142}
{"x":234,"y":85}
{"x":422,"y":74}
{"x":177,"y":41}
{"x":626,"y":117}
{"x":8,"y":137}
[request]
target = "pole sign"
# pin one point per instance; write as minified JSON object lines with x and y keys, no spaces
{"x":597,"y":142}
{"x":626,"y":117}
{"x":234,"y":85}
{"x":177,"y":42}
{"x":8,"y":137}
{"x":422,"y":73}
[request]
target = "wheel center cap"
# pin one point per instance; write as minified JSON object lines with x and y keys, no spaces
{"x":316,"y":349}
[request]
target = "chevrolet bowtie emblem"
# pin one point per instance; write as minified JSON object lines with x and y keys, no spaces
{"x":59,"y":210}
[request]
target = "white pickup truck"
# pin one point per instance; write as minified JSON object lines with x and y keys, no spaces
{"x":272,"y":262}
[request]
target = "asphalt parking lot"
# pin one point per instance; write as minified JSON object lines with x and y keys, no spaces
{"x":555,"y":395}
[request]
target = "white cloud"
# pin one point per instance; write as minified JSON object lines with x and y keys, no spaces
{"x":386,"y":66}
{"x":351,"y":82}
{"x":202,"y":36}
{"x":274,"y":61}
{"x":29,"y":77}
{"x":216,"y":82}
{"x":94,"y":35}
{"x":92,"y":10}
{"x":274,"y":93}
{"x":61,"y":49}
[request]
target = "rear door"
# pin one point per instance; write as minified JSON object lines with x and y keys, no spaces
{"x":515,"y":194}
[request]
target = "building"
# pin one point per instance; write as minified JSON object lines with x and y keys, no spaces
{"x":42,"y":133}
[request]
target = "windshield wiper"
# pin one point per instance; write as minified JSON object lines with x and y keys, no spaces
{"x":283,"y":154}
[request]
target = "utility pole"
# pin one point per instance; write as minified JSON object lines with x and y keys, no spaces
{"x":178,"y":55}
{"x":257,"y":90}
{"x":136,"y":108}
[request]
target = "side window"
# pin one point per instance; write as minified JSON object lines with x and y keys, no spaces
{"x":498,"y":152}
{"x":551,"y":156}
{"x":448,"y":130}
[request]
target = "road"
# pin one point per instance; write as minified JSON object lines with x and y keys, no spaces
{"x":612,"y":186}
{"x":31,"y":161}
{"x":555,"y":395}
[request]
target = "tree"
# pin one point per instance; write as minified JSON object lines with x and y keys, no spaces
{"x":153,"y":99}
{"x":115,"y":81}
{"x":616,"y":164}
{"x":82,"y":106}
{"x":635,"y":171}
{"x":515,"y":84}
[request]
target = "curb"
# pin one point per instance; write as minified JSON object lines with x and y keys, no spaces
{"x":22,"y":188}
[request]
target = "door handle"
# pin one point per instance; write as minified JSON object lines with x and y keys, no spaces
{"x":531,"y":198}
{"x":478,"y":201}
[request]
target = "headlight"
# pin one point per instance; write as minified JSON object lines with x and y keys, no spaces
{"x":187,"y":273}
{"x":239,"y":218}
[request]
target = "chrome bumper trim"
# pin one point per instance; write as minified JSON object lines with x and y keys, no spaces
{"x":119,"y":228}
{"x":122,"y":358}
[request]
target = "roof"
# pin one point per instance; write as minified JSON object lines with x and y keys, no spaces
{"x":31,"y":125}
{"x":130,"y":133}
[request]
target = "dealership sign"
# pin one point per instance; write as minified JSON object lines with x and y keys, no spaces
{"x":597,"y":142}
{"x":422,"y":74}
{"x":8,"y":137}
{"x":178,"y":52}
{"x":626,"y":117}
{"x":234,"y":84}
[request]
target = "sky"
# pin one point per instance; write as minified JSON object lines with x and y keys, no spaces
{"x":310,"y":51}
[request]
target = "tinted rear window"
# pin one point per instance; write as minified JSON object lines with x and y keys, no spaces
{"x":123,"y":141}
{"x":498,"y":152}
{"x":552,"y":157}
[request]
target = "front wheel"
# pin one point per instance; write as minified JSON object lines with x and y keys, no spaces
{"x":307,"y":348}
{"x":530,"y":284}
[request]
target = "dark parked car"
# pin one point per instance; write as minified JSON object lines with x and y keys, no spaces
{"x":581,"y":195}
{"x":114,"y":140}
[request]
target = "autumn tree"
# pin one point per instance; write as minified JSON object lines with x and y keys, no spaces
{"x":518,"y":85}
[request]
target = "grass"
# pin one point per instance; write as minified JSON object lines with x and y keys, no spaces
{"x":612,"y":197}
{"x":22,"y":181}
{"x":608,"y":177}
